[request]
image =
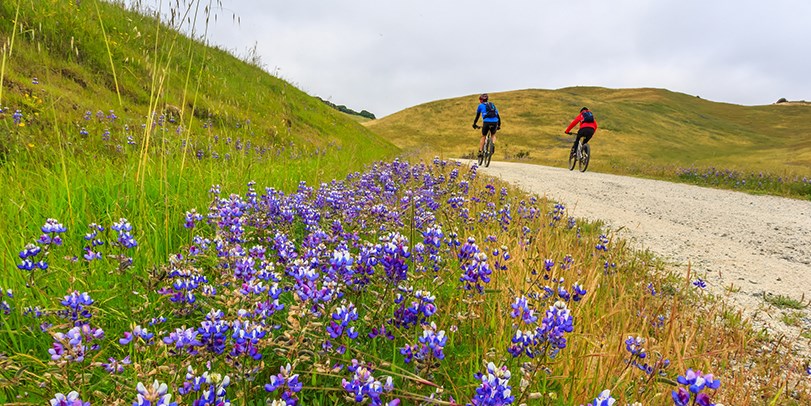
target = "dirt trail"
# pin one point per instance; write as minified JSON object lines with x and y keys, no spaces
{"x":758,"y":244}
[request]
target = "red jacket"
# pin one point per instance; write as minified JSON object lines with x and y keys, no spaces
{"x":579,"y":119}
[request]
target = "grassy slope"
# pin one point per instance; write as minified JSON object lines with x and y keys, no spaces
{"x":56,"y":66}
{"x":63,"y":46}
{"x":640,"y":129}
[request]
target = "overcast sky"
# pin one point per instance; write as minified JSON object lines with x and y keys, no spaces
{"x":387,"y":55}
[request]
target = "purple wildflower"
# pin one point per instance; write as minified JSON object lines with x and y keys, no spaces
{"x":155,"y":395}
{"x":72,"y":399}
{"x":603,"y":399}
{"x":494,"y":389}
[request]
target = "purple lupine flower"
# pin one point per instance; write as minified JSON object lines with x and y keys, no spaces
{"x":635,"y":346}
{"x":184,"y":339}
{"x":417,"y":313}
{"x":681,"y":397}
{"x":556,"y":323}
{"x":700,"y":283}
{"x":603,"y":244}
{"x":394,"y":256}
{"x":137,"y":332}
{"x":73,"y":345}
{"x":521,"y":308}
{"x":579,"y":292}
{"x":18,"y":117}
{"x":557,"y":214}
{"x":473,"y":262}
{"x":290,"y":383}
{"x":72,"y":399}
{"x":51,"y":230}
{"x":340,"y":322}
{"x":76,"y":304}
{"x":210,"y":388}
{"x":363,"y":385}
{"x":381,"y":332}
{"x":114,"y":366}
{"x":192,"y":217}
{"x":246,"y":336}
{"x":28,"y":255}
{"x":494,"y":389}
{"x":695,"y":381}
{"x":154,"y":395}
{"x":603,"y":399}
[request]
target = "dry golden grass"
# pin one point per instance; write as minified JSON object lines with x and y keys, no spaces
{"x":642,"y":131}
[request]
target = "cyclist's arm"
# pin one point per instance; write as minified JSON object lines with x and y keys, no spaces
{"x":574,"y":122}
{"x":476,"y":120}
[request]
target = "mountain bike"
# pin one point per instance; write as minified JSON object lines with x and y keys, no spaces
{"x":489,"y":149}
{"x":580,"y":157}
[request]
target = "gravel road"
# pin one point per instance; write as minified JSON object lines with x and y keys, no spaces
{"x":758,"y":244}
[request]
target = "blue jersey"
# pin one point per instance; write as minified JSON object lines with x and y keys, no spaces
{"x":482,"y":110}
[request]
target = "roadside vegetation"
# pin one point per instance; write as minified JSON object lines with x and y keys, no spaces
{"x":651,"y":133}
{"x":250,"y":245}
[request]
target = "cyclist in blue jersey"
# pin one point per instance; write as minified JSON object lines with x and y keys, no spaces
{"x":491,"y":120}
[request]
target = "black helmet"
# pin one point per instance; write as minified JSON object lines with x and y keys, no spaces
{"x":584,"y":109}
{"x":483,"y":97}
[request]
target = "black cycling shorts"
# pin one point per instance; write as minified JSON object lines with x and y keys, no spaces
{"x":586,"y":133}
{"x":489,"y":127}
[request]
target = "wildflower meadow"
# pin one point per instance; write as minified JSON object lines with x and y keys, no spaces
{"x":255,"y":247}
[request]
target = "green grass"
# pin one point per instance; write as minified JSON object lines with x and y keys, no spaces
{"x":642,"y":132}
{"x":784,"y":302}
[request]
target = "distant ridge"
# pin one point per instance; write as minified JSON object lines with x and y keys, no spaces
{"x":347,"y":110}
{"x":640,"y":130}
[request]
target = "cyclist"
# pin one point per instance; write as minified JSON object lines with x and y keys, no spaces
{"x":491,"y":120}
{"x":588,"y":126}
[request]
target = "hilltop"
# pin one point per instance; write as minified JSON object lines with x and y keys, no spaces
{"x":641,"y":130}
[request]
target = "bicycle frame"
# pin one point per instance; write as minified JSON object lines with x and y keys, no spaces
{"x":581,"y":156}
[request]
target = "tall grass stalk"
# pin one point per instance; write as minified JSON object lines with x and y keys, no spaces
{"x":8,"y":47}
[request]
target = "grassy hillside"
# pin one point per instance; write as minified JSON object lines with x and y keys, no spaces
{"x":107,"y":113}
{"x":642,"y":131}
{"x":62,"y":59}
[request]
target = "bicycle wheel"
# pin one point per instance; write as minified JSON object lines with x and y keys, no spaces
{"x":481,"y":157}
{"x":572,"y":160}
{"x":489,"y":148}
{"x":584,"y":159}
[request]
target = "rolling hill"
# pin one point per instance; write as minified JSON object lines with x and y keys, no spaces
{"x":642,"y":131}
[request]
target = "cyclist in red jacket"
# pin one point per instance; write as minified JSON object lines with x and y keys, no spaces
{"x":588,"y":126}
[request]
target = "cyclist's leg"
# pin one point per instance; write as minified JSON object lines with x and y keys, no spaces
{"x":586,"y":133}
{"x":492,"y":128}
{"x":574,"y":146}
{"x":481,"y":141}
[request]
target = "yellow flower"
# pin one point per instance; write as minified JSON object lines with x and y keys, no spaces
{"x":30,"y":145}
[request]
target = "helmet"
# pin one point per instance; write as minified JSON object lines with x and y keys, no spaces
{"x":584,"y":109}
{"x":483,"y":97}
